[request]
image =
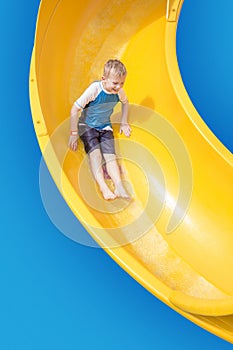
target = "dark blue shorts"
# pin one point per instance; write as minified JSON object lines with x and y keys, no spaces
{"x":94,"y":139}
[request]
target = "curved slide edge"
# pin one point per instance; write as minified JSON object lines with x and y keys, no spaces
{"x":188,"y":303}
{"x":172,"y":64}
{"x":199,"y":306}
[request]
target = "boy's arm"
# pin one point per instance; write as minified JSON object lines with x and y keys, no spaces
{"x":125,"y":128}
{"x":89,"y":95}
{"x":74,"y":115}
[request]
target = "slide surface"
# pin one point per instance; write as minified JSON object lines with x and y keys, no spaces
{"x":175,"y":235}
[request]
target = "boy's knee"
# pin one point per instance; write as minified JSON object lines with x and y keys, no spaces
{"x":95,"y":155}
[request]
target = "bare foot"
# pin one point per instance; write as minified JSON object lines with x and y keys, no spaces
{"x":120,"y":191}
{"x":107,"y":194}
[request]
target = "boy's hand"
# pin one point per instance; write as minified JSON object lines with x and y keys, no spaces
{"x":73,"y":143}
{"x":125,"y":129}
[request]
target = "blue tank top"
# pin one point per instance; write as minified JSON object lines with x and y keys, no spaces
{"x":96,"y":114}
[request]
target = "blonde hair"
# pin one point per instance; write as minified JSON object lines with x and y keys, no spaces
{"x":114,"y":67}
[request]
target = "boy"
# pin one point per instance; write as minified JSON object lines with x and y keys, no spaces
{"x":95,"y":129}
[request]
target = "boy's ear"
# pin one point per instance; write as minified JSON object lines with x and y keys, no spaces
{"x":103,"y":77}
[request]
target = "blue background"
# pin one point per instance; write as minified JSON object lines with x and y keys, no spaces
{"x":57,"y":294}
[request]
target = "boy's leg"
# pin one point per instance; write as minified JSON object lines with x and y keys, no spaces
{"x":96,"y":166}
{"x":90,"y":138}
{"x":114,"y":172}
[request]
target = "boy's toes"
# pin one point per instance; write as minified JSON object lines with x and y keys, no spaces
{"x":120,"y":191}
{"x":107,"y":194}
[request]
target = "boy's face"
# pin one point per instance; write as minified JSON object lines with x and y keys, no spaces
{"x":113,"y":83}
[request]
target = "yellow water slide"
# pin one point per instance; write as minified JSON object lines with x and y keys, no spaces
{"x":175,"y":236}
